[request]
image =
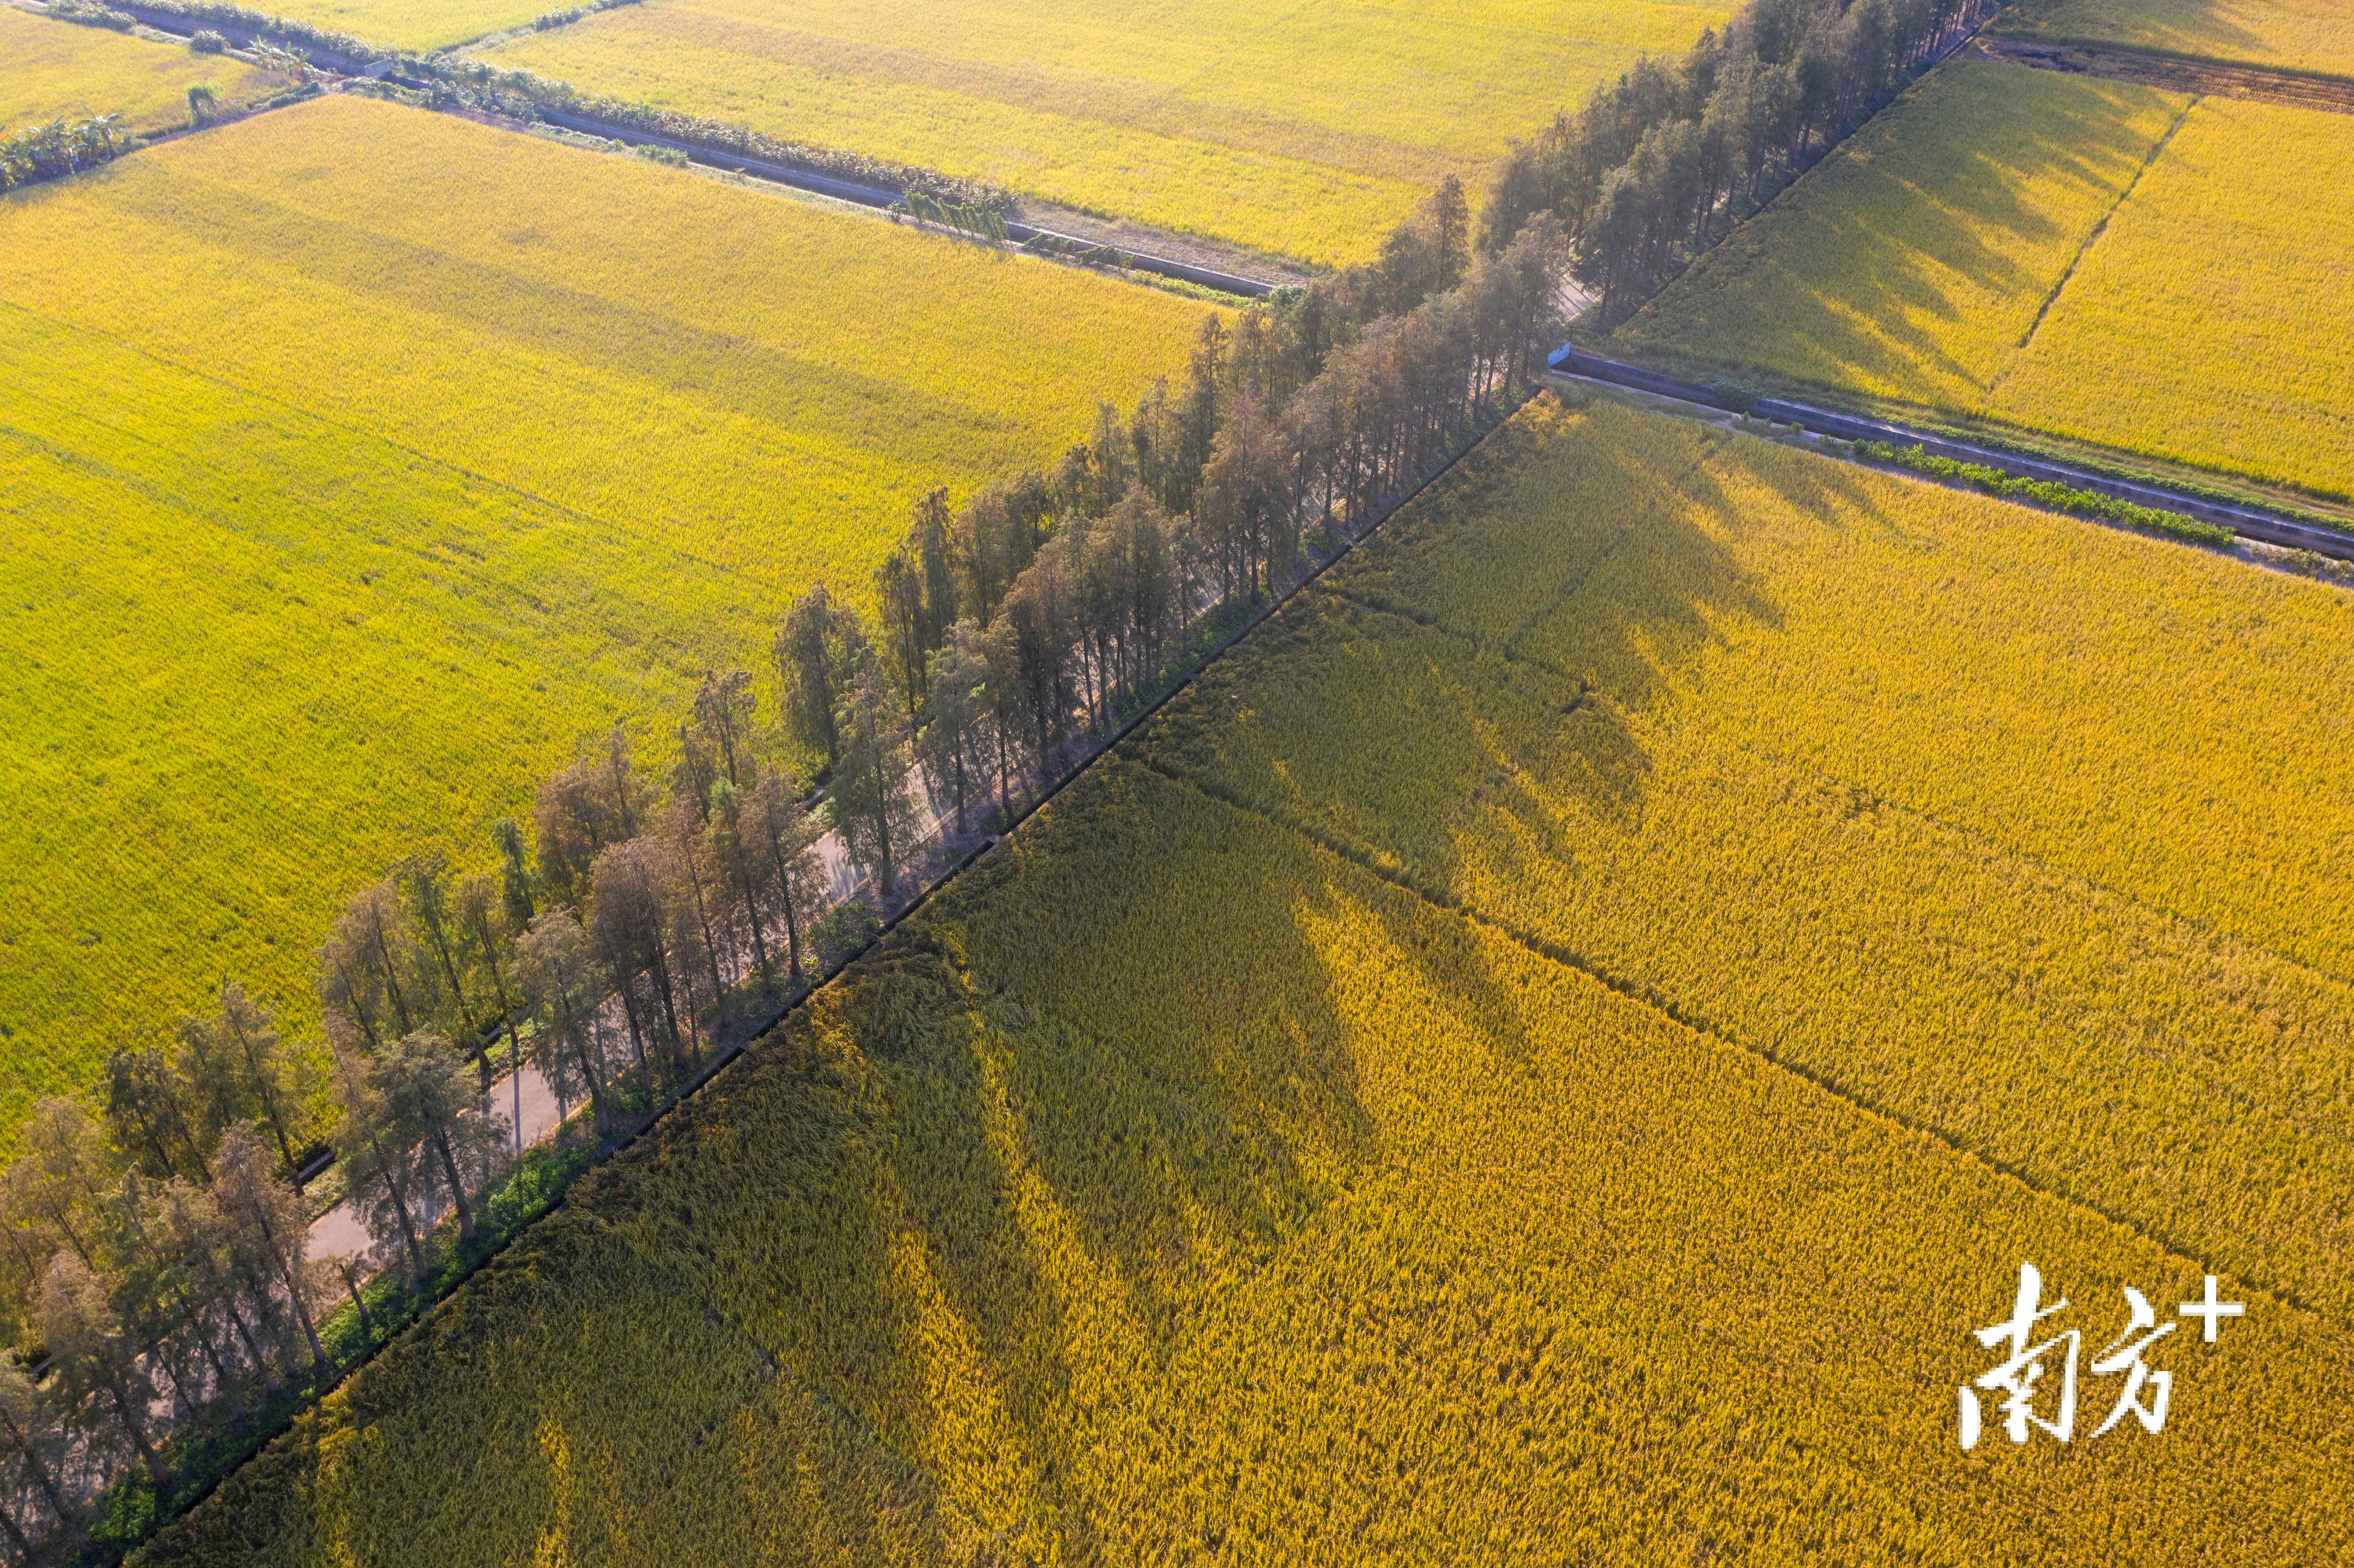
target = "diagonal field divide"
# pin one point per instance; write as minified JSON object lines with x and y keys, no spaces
{"x":2158,"y":150}
{"x":1668,"y":1008}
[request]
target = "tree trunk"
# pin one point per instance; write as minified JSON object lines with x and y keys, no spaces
{"x":303,"y":1316}
{"x":359,"y":1013}
{"x":15,"y":1534}
{"x":237,"y":1321}
{"x":785,"y":895}
{"x":703,"y":919}
{"x":637,"y":1036}
{"x":515,"y":1041}
{"x":391,"y":982}
{"x":602,"y":1122}
{"x":41,"y":1477}
{"x":359,"y":1303}
{"x":400,"y":1211}
{"x":658,"y":972}
{"x":457,"y":1187}
{"x":760,"y":938}
{"x":155,"y":1470}
{"x":204,"y":1340}
{"x":269,"y":1098}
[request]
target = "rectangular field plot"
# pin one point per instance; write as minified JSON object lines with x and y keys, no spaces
{"x":2101,"y":261}
{"x":1969,"y":811}
{"x":51,"y":69}
{"x":2309,"y":36}
{"x":1304,"y":132}
{"x":1183,"y":1185}
{"x":359,"y":461}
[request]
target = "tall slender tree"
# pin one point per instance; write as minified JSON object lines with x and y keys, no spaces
{"x":103,"y":1379}
{"x":270,"y":1230}
{"x":872,"y":810}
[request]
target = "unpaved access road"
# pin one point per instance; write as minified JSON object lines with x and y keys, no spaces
{"x":2248,"y":81}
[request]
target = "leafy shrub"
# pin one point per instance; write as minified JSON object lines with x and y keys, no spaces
{"x":846,"y":928}
{"x":208,"y":42}
{"x":90,"y":15}
{"x":61,"y":147}
{"x":2058,"y":497}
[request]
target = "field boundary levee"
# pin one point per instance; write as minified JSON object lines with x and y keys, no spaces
{"x":1678,"y":1014}
{"x":878,"y":197}
{"x":2248,"y":522}
{"x":856,"y":192}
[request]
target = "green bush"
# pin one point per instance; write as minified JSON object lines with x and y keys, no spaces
{"x":2058,"y":497}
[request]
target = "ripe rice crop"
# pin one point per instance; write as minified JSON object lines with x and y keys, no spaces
{"x":361,"y":459}
{"x":1172,"y":1190}
{"x":2316,"y":36}
{"x":421,"y":26}
{"x":1305,"y":132}
{"x":1968,"y":810}
{"x":2093,"y":259}
{"x":50,"y":69}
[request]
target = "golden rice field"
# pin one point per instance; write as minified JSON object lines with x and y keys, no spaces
{"x":1970,"y":811}
{"x":49,"y":70}
{"x":1306,"y":130}
{"x":419,"y":24}
{"x":1176,"y":1188}
{"x":2309,"y":36}
{"x":359,"y":461}
{"x":1994,"y":246}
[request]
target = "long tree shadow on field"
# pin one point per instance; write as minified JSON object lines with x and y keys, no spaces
{"x":1862,"y":241}
{"x":1151,"y":1084}
{"x":1155,"y":1088}
{"x":2204,"y":27}
{"x":1381,"y":713}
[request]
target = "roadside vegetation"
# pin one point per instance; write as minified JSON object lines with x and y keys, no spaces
{"x":2094,"y":259}
{"x":2065,"y":498}
{"x":1660,"y":164}
{"x":451,"y":446}
{"x":1173,"y":1181}
{"x":49,"y":71}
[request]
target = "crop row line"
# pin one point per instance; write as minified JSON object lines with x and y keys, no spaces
{"x":2158,"y":150}
{"x":1587,"y":693}
{"x":1676,"y":1012}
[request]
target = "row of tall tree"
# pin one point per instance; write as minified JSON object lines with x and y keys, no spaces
{"x":155,"y":1240}
{"x":1013,"y":628}
{"x":159,"y":1291}
{"x":153,"y":1247}
{"x":1659,"y":163}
